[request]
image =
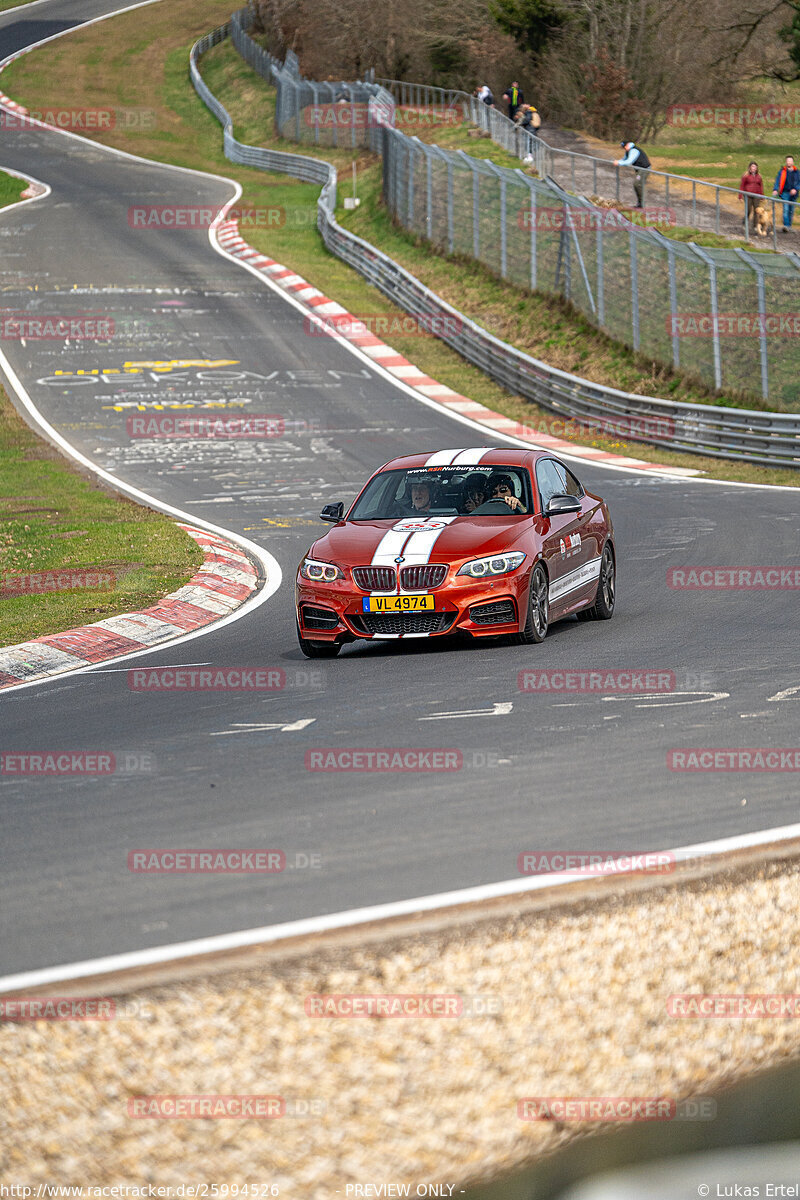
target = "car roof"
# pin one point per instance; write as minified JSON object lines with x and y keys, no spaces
{"x":468,"y":456}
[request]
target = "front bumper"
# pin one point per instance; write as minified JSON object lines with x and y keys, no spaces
{"x":482,"y":608}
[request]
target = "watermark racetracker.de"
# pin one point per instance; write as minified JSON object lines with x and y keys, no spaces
{"x":66,"y":579}
{"x":226,"y":679}
{"x":247,"y":427}
{"x":625,"y":1109}
{"x":38,"y":327}
{"x":79,"y":120}
{"x":404,"y":759}
{"x":65,"y":763}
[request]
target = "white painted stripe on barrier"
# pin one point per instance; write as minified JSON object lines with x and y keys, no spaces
{"x":329,"y":922}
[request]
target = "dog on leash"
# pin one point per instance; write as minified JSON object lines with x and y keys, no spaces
{"x":763,"y":220}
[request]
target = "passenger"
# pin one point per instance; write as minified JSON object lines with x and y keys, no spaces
{"x":474,"y":492}
{"x":501,"y":487}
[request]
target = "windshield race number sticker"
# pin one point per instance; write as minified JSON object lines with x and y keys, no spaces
{"x":419,"y":524}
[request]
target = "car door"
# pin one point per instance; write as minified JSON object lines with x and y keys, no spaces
{"x":568,"y":547}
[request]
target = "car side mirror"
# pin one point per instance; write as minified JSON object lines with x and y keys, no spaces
{"x":562,"y":504}
{"x":332,"y":512}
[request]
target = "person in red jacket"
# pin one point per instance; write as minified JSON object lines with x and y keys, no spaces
{"x":752,"y":185}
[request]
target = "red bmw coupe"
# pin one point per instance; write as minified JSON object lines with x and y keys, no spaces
{"x":479,"y":541}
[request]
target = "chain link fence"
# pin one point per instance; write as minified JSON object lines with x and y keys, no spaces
{"x":761,"y":437}
{"x":726,"y":316}
{"x":690,"y":202}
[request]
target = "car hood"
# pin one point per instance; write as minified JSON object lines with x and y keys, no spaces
{"x":432,"y":539}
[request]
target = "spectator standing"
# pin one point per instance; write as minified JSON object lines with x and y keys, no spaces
{"x":528,"y":118}
{"x":636,"y":158}
{"x":514,"y":98}
{"x":484,"y":93}
{"x":753,"y":186}
{"x":787,"y":181}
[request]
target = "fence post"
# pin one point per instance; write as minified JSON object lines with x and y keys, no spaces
{"x":601,"y":297}
{"x":429,"y":188}
{"x":410,"y":176}
{"x":751,"y":261}
{"x":712,"y":283}
{"x":673,"y":305}
{"x":503,"y":229}
{"x":634,"y":288}
{"x":531,"y":216}
{"x":450,"y":213}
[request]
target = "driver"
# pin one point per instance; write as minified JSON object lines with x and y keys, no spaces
{"x":422,"y":493}
{"x":501,"y":487}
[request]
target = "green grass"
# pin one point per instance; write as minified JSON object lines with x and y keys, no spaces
{"x":10,"y":189}
{"x":53,"y":519}
{"x":187,"y":134}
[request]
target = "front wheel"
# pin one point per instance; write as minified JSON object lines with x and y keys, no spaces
{"x":318,"y":649}
{"x":538,"y":618}
{"x":603,"y":607}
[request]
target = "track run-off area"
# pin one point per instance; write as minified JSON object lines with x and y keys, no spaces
{"x":538,"y":771}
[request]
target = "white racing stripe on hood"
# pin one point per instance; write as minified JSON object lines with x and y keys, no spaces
{"x":414,"y":545}
{"x":471,"y":458}
{"x":419,"y":546}
{"x":389,"y":547}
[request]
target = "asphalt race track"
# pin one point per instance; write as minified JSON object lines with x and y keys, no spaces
{"x":577,"y":772}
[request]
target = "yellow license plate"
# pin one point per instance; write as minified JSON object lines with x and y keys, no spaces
{"x":397,"y":603}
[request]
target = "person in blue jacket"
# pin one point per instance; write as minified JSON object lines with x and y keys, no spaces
{"x":787,"y":181}
{"x":636,"y":158}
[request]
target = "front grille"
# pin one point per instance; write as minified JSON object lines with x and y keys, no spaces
{"x":376,"y":624}
{"x":375,"y":579}
{"x":426,"y":575}
{"x":318,"y":618}
{"x":498,"y":613}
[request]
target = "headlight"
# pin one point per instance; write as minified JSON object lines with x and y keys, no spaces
{"x":498,"y":564}
{"x":320,"y":572}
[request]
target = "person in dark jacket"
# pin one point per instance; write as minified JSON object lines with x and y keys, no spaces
{"x":787,"y":181}
{"x":636,"y":158}
{"x":753,"y":186}
{"x":514,"y":98}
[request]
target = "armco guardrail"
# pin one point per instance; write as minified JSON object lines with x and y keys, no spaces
{"x":761,"y":437}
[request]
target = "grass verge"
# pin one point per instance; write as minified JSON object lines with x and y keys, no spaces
{"x":53,"y":520}
{"x":146,"y":64}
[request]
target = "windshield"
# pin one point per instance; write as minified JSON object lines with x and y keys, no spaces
{"x":444,"y":491}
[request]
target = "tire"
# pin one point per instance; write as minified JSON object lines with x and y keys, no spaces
{"x":605,"y":600}
{"x":538,"y":617}
{"x":318,"y":649}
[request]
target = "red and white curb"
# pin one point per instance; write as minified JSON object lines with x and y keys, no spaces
{"x":354,"y":331}
{"x":226,"y":580}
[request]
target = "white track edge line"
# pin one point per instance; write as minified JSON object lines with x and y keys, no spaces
{"x":360,"y":916}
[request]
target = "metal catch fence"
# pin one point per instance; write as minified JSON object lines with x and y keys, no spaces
{"x":748,"y":435}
